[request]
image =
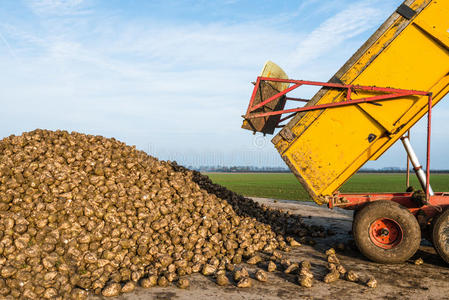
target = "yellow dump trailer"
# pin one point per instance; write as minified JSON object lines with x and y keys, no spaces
{"x":389,"y":84}
{"x":324,"y":148}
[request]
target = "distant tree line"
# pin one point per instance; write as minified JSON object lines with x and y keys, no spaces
{"x":397,"y":170}
{"x":241,"y":169}
{"x":254,"y":169}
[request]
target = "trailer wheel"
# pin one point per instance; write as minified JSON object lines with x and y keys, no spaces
{"x":386,"y":232}
{"x":354,"y":213}
{"x":440,"y":235}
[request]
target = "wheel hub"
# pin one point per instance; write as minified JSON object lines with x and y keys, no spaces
{"x":385,"y":233}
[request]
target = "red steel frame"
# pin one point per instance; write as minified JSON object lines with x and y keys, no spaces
{"x":355,"y":201}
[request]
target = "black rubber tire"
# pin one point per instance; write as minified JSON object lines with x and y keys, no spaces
{"x":440,"y":235}
{"x":411,"y":232}
{"x":354,"y":213}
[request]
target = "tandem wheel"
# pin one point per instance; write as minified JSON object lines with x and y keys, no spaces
{"x":386,"y":232}
{"x":440,"y":235}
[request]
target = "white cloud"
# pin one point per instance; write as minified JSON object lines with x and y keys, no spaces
{"x":8,"y":46}
{"x":336,"y":30}
{"x":58,"y":7}
{"x":230,"y":2}
{"x":144,"y":73}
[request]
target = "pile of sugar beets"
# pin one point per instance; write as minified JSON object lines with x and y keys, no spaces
{"x":84,"y":214}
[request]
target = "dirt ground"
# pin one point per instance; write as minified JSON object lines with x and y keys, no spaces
{"x":401,"y":281}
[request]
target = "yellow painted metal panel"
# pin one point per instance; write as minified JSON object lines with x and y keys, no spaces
{"x":331,"y":145}
{"x":322,"y":154}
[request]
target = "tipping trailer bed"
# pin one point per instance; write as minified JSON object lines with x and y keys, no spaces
{"x":410,"y":51}
{"x":388,"y":85}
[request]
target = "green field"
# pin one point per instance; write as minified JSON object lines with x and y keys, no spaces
{"x":286,"y":186}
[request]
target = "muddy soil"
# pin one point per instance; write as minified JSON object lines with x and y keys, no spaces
{"x":402,"y":281}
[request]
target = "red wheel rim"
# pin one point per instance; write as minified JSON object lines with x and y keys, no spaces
{"x":385,"y":233}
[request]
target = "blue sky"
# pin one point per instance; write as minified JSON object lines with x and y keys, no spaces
{"x":173,"y":77}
